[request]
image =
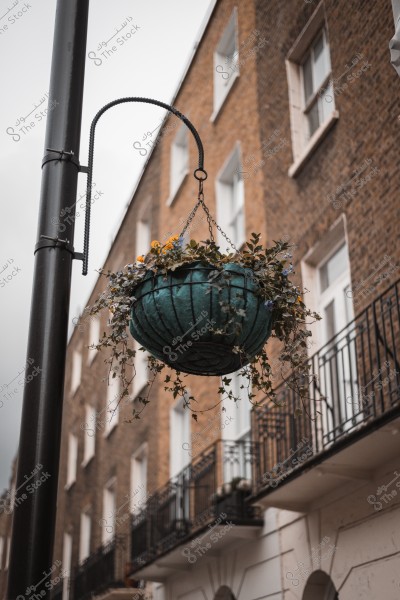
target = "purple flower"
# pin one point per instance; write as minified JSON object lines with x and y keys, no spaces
{"x":269,"y":305}
{"x":286,"y":272}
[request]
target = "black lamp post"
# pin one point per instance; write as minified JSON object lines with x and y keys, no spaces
{"x":40,"y":435}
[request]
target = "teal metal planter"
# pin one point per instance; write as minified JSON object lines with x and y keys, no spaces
{"x":179,"y":318}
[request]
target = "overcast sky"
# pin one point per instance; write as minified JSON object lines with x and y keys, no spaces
{"x":149,"y":63}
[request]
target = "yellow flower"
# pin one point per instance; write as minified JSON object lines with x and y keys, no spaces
{"x":140,"y":258}
{"x":298,"y":298}
{"x":155,"y":244}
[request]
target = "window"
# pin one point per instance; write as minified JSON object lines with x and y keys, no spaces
{"x":109,"y":506}
{"x":179,"y":161}
{"x":319,"y":585}
{"x":179,"y":435}
{"x":141,"y":377}
{"x":143,"y":241}
{"x":1,"y":551}
{"x":138,"y":479}
{"x":76,"y":370}
{"x":318,"y":100}
{"x":143,"y":234}
{"x":84,"y":540}
{"x":112,"y":408}
{"x":94,"y":337}
{"x":8,"y":553}
{"x":224,"y":593}
{"x":230,"y":200}
{"x":66,"y":564}
{"x":13,"y":495}
{"x":333,"y":283}
{"x":226,"y":63}
{"x":236,"y":428}
{"x":72,"y":458}
{"x":89,"y":440}
{"x":326,"y":273}
{"x":311,"y":97}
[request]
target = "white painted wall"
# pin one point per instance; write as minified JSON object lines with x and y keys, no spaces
{"x":362,"y":555}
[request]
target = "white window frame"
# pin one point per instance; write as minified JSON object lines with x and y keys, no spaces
{"x":66,"y":564}
{"x":141,"y":368}
{"x":180,"y":433}
{"x":1,"y":551}
{"x":76,"y":372}
{"x":109,"y":511}
{"x":323,"y":87}
{"x":325,"y":297}
{"x":227,"y":74}
{"x":179,"y":162}
{"x":113,"y":400}
{"x":72,"y":460}
{"x":239,"y":428}
{"x":84,"y":536}
{"x":316,"y":300}
{"x":139,"y":470}
{"x":298,"y":120}
{"x":89,"y":440}
{"x":12,"y":495}
{"x":94,"y":337}
{"x":143,"y":233}
{"x":8,"y":553}
{"x":230,"y":183}
{"x":315,"y":257}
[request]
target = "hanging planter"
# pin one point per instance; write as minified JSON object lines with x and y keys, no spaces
{"x":201,"y":311}
{"x":182,"y":318}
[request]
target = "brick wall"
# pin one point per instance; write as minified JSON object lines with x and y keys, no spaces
{"x":276,"y":205}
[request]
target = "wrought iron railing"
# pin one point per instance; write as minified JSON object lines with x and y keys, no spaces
{"x":57,"y":591}
{"x":195,"y":498}
{"x":97,"y":573}
{"x":357,"y":385}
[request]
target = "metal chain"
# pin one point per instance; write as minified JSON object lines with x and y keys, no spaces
{"x":210,"y":220}
{"x":190,"y":218}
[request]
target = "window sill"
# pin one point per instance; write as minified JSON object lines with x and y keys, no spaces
{"x":136,"y":392}
{"x":91,"y":356}
{"x":85,"y":463}
{"x":109,"y":431}
{"x":68,"y":486}
{"x":177,"y":189}
{"x":313,"y":143}
{"x":215,"y":114}
{"x":74,"y":390}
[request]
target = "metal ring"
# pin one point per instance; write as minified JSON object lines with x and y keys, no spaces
{"x":198,"y":177}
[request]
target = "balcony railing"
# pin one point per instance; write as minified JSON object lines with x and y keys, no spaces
{"x":97,"y":573}
{"x":195,"y":498}
{"x":356,"y":387}
{"x":57,"y":591}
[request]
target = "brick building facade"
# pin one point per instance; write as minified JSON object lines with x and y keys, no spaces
{"x":295,"y":103}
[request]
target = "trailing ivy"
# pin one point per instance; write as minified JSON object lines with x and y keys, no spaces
{"x":269,"y":268}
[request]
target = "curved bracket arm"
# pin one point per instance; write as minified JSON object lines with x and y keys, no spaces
{"x":172,"y":110}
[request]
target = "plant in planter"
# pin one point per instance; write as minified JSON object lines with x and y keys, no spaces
{"x":200,"y":311}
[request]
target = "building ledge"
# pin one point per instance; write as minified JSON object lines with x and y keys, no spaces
{"x":313,"y":143}
{"x":192,"y":552}
{"x":122,"y":593}
{"x":354,"y":462}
